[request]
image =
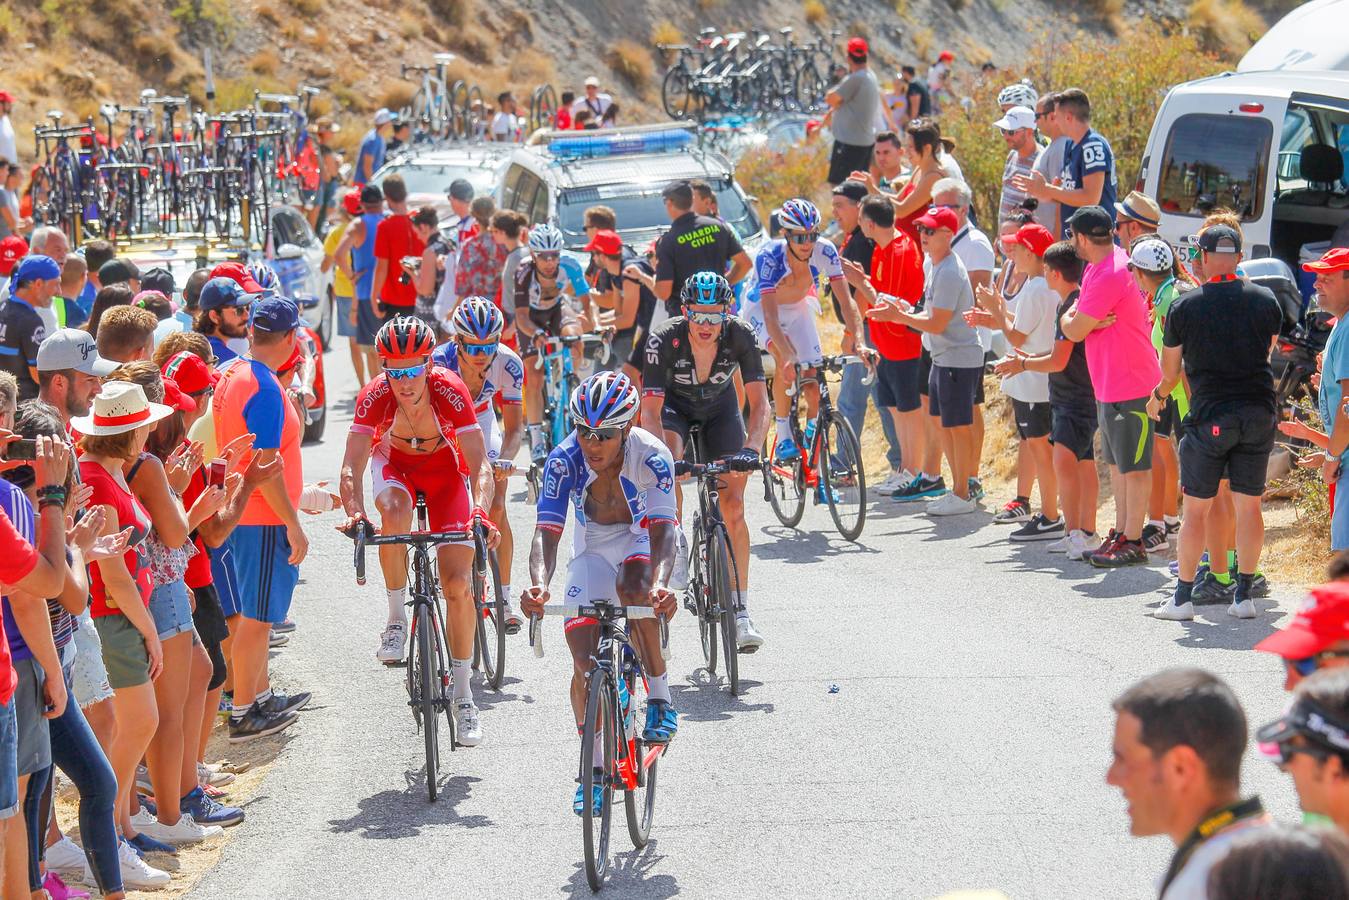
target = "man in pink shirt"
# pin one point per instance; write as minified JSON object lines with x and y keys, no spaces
{"x":1112,"y":315}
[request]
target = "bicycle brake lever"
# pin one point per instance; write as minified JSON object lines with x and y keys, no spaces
{"x":664,"y":639}
{"x":870,"y":377}
{"x":535,"y":638}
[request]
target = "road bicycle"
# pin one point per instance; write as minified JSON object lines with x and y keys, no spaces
{"x":428,"y":669}
{"x":432,"y":105}
{"x":829,"y":464}
{"x":542,"y":108}
{"x":612,"y":695}
{"x":713,"y":578}
{"x":555,"y":360}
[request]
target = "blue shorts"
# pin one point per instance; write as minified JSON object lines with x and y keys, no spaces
{"x":344,"y":326}
{"x":9,"y":761}
{"x":367,"y":324}
{"x":1339,"y":519}
{"x":952,"y":393}
{"x":225,"y":578}
{"x":171,"y":609}
{"x":266,"y":578}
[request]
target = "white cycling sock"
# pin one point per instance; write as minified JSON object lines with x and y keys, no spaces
{"x":398,"y":612}
{"x":784,"y":428}
{"x":741,"y":603}
{"x":658,"y":687}
{"x":461,"y":671}
{"x":263,"y":696}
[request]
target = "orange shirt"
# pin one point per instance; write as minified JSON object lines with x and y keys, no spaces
{"x":249,"y":399}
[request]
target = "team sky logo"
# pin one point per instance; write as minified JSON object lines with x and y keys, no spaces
{"x":554,"y":476}
{"x":661,"y":469}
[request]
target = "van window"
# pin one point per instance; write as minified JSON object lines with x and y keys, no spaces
{"x":1215,"y":161}
{"x":509,"y":187}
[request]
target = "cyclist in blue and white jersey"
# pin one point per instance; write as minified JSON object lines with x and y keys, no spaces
{"x":782,"y":305}
{"x":490,"y":371}
{"x":619,"y":482}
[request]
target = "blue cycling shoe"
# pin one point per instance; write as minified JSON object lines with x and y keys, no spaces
{"x":662,"y":722}
{"x":596,"y":799}
{"x":786,"y":450}
{"x":822,"y":492}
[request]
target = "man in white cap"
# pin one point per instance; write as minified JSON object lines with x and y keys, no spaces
{"x":373,"y":147}
{"x":70,"y":371}
{"x":35,"y":281}
{"x":1018,"y":131}
{"x":593,"y":100}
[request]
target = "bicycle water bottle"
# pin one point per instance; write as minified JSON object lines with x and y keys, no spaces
{"x":625,"y":704}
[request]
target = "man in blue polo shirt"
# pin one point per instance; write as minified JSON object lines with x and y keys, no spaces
{"x":223,"y":315}
{"x":35,"y":281}
{"x":1088,"y":177}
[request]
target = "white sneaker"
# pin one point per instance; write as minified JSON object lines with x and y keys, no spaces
{"x":143,"y":819}
{"x":1173,"y":613}
{"x":391,"y":643}
{"x":679,"y":578}
{"x":1081,"y":545}
{"x":896,"y":481}
{"x":1063,"y":544}
{"x":747,"y":637}
{"x":136,"y":872}
{"x":467,"y":728}
{"x":143,"y":780}
{"x":1243,"y":610}
{"x":184,"y":831}
{"x":950,"y":505}
{"x":64,"y":856}
{"x":215,"y":778}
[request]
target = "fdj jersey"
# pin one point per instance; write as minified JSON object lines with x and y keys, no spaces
{"x":537,"y":292}
{"x":771,"y":265}
{"x":669,"y":369}
{"x":505,"y":375}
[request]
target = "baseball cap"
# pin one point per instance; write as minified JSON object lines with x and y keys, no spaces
{"x":592,"y":81}
{"x":946,"y":56}
{"x":1153,"y":255}
{"x":238,"y":273}
{"x":176,"y":398}
{"x":371,"y":195}
{"x":36,"y":267}
{"x":71,"y":348}
{"x":117,"y":271}
{"x":1309,"y":719}
{"x":1140,"y":208}
{"x":606,"y":242}
{"x":190,"y":371}
{"x":1219,"y":239}
{"x":6,"y":97}
{"x":220,"y":293}
{"x":12,"y":249}
{"x":159,"y":279}
{"x":1322,"y":621}
{"x":1035,"y":238}
{"x":1091,"y":221}
{"x":460,"y":189}
{"x":855,"y":191}
{"x":1016,"y":118}
{"x":1336,"y":260}
{"x":857,"y":48}
{"x":383,"y":117}
{"x":274,"y":313}
{"x":351,"y":202}
{"x":939,"y":217}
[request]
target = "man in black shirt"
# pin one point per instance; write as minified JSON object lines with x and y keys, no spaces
{"x":1222,"y":333}
{"x":694,"y":243}
{"x":626,"y":295}
{"x":35,"y":281}
{"x":920,"y":101}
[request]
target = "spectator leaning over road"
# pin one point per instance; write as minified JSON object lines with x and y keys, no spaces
{"x":9,"y":148}
{"x":1112,"y":318}
{"x":127,"y":334}
{"x":1283,"y":861}
{"x":373,"y":148}
{"x":344,"y":292}
{"x":1088,"y":175}
{"x":854,"y":103}
{"x":269,"y":544}
{"x":1332,"y":295}
{"x":1029,"y":327}
{"x":957,"y":358}
{"x":1311,"y":743}
{"x":1222,"y":333}
{"x":35,"y":281}
{"x":1179,"y":739}
{"x":96,"y":253}
{"x":74,"y":273}
{"x":481,"y":259}
{"x":593,"y":102}
{"x":356,"y":256}
{"x":1018,"y":132}
{"x":391,"y":289}
{"x":694,"y":243}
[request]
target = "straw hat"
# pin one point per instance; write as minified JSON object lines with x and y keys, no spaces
{"x":121,"y":406}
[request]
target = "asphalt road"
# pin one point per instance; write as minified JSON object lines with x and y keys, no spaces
{"x":965,"y":747}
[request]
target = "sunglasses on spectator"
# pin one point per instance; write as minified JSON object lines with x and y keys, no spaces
{"x":1307,"y":665}
{"x":548,"y":255}
{"x":586,"y":433}
{"x":1008,"y":132}
{"x":1193,"y":253}
{"x":479,"y":349}
{"x":1287,"y":750}
{"x":202,"y":394}
{"x":924,"y":230}
{"x":803,"y":237}
{"x":409,"y":372}
{"x":706,"y":318}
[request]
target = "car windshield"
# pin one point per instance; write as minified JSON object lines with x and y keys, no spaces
{"x":1215,"y":161}
{"x":435,"y":178}
{"x":643,"y":210}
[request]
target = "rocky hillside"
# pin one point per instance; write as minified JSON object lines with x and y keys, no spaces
{"x":74,"y":54}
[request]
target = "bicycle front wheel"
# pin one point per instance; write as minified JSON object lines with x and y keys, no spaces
{"x":489,"y":646}
{"x":430,"y":695}
{"x":699,"y":586}
{"x":785,"y":485}
{"x":675,"y":92}
{"x":843,"y":478}
{"x":721,"y":581}
{"x":599,"y":726}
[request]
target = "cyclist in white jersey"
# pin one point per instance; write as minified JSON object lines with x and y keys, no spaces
{"x":491,"y":372}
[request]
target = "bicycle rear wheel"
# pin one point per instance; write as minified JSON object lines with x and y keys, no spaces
{"x":639,"y":804}
{"x":427,"y":703}
{"x":785,"y":485}
{"x":721,"y":581}
{"x":489,"y":644}
{"x":843,"y":477}
{"x":600,"y":725}
{"x":698,"y":585}
{"x":676,"y":90}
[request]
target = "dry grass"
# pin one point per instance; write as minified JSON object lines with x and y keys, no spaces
{"x":269,"y":14}
{"x":632,"y":61}
{"x":775,"y":177}
{"x":398,"y":94}
{"x":923,"y":39}
{"x":454,"y":13}
{"x":1225,"y":27}
{"x":265,"y":62}
{"x":307,"y":7}
{"x":410,"y":25}
{"x":815,"y":12}
{"x":666,"y":32}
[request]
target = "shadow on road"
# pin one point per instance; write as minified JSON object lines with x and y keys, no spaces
{"x":794,"y":546}
{"x":393,"y":815}
{"x":629,"y":873}
{"x":486,"y":698}
{"x":704,"y":698}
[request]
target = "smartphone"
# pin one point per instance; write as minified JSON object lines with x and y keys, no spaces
{"x":22,"y":450}
{"x":215,"y":473}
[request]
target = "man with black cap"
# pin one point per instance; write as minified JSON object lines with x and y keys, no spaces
{"x":356,"y":258}
{"x":35,"y":281}
{"x":1310,"y":742}
{"x":120,"y":271}
{"x":694,"y":243}
{"x":854,"y":104}
{"x":1221,"y":333}
{"x":461,"y":193}
{"x":223,"y":315}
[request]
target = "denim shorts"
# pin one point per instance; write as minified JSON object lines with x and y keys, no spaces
{"x":171,"y":609}
{"x":88,"y":675}
{"x":344,"y":326}
{"x":9,"y":761}
{"x":34,"y":747}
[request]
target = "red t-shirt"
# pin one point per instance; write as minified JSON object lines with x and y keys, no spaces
{"x":130,"y":514}
{"x":199,"y":566}
{"x":17,"y":559}
{"x":395,"y":238}
{"x":897,"y":269}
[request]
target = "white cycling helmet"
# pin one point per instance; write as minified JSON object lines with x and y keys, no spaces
{"x":545,"y":238}
{"x":1019,"y":94}
{"x":605,"y":400}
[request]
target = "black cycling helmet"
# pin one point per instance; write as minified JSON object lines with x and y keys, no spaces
{"x":706,"y":288}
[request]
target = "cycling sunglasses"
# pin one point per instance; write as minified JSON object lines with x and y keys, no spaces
{"x":586,"y":433}
{"x":802,"y":237}
{"x":479,"y":349}
{"x":705,"y":318}
{"x":1193,"y":253}
{"x":409,"y":372}
{"x":548,"y":255}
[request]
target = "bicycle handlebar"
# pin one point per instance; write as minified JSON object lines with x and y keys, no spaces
{"x":606,"y":610}
{"x":720,"y":467}
{"x":835,"y":364}
{"x":363,"y":533}
{"x":554,"y":343}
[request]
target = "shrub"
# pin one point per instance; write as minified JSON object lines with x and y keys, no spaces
{"x":632,"y":61}
{"x":776,"y":177}
{"x":1225,"y":27}
{"x":9,"y":23}
{"x":307,"y":7}
{"x":666,"y":32}
{"x":815,"y":12}
{"x":398,"y":94}
{"x":455,"y":13}
{"x":1125,"y":94}
{"x":265,"y":62}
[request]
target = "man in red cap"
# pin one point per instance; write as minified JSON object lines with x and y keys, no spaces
{"x":1317,"y":638}
{"x":343,"y":290}
{"x":12,"y":249}
{"x":9,"y":148}
{"x":938,"y":80}
{"x":1332,"y":295}
{"x":855,"y":105}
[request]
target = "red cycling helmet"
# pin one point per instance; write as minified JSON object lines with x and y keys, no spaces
{"x":405,"y":337}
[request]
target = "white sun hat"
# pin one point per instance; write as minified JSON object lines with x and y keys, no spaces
{"x":119,"y":407}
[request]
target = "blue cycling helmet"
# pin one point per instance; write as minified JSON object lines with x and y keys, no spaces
{"x":477,"y":318}
{"x":706,"y":288}
{"x":544,"y":239}
{"x":799,"y":215}
{"x":606,"y":400}
{"x":265,"y":276}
